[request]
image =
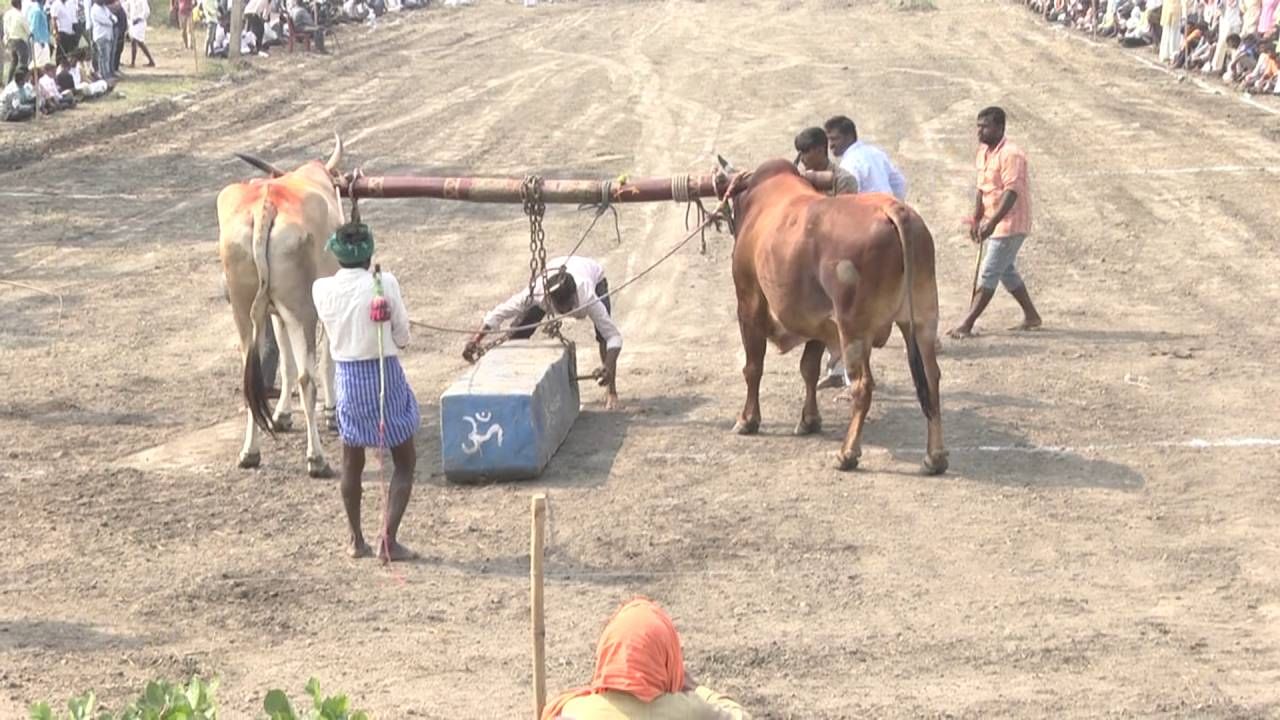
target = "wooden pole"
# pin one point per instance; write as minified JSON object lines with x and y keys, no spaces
{"x":237,"y":26}
{"x":538,"y":504}
{"x":576,"y":192}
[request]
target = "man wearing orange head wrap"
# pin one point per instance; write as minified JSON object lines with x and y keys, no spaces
{"x":640,"y":674}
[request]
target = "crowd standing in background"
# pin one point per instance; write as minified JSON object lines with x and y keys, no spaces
{"x":1234,"y":40}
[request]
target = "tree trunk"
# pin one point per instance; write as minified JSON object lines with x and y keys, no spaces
{"x":237,"y":27}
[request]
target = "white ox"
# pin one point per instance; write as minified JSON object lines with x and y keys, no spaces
{"x":271,"y":238}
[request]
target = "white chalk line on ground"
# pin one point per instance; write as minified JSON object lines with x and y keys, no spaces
{"x":1192,"y":444}
{"x":1230,"y":443}
{"x":1172,"y":171}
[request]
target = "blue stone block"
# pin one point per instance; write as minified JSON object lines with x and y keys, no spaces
{"x":507,"y":415}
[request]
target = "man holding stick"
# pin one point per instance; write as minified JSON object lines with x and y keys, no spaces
{"x":1001,"y":219}
{"x":376,"y":406}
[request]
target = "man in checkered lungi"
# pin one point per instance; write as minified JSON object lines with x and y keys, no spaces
{"x":343,"y":303}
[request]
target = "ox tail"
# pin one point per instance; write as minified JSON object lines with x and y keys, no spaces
{"x":914,"y":359}
{"x":255,"y":390}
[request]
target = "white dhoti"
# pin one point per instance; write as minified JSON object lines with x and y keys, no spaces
{"x":138,"y":32}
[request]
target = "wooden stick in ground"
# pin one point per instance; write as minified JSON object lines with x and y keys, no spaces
{"x":539,"y":506}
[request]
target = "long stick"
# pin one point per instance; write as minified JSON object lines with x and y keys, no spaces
{"x":538,"y":504}
{"x":977,"y":268}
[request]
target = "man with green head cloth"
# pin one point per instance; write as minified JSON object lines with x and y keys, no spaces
{"x":376,"y":406}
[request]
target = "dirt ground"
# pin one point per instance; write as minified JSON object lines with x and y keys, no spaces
{"x":1105,"y":544}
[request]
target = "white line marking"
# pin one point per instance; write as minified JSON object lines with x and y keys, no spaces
{"x":59,"y":195}
{"x":1192,"y":444}
{"x":1205,"y":169}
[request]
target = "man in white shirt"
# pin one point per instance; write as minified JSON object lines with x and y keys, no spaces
{"x":103,"y":22}
{"x":868,"y":163}
{"x":353,"y":304}
{"x":64,"y":24}
{"x":577,"y":288}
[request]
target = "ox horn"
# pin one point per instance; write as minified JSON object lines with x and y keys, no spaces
{"x":336,"y":158}
{"x":261,"y":164}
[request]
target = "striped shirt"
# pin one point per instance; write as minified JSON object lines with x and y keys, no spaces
{"x":1001,"y":168}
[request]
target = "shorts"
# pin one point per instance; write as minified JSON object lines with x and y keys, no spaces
{"x":999,"y":263}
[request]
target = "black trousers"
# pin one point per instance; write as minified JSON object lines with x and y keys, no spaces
{"x":68,"y":43}
{"x":19,"y":56}
{"x":535,"y":314}
{"x":257,"y":27}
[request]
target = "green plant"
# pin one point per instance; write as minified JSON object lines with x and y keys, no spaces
{"x":196,"y":701}
{"x":160,"y":701}
{"x":323,"y":708}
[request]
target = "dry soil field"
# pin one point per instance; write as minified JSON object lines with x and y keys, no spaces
{"x":1087,"y":555}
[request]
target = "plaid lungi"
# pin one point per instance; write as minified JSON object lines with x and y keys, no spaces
{"x":358,"y":403}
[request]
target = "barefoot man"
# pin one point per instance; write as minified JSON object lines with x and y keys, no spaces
{"x":1001,"y":218}
{"x":343,"y":303}
{"x":577,"y":288}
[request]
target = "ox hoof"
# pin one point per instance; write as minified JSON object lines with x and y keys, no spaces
{"x":809,"y":427}
{"x":250,"y":459}
{"x":746,"y":427}
{"x":847,"y":461}
{"x":282,"y":423}
{"x":318,"y":468}
{"x":936,"y":464}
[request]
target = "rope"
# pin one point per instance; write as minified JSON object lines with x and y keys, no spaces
{"x":612,"y":291}
{"x":680,"y":189}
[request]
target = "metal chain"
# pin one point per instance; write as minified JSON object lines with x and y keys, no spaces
{"x":535,"y":208}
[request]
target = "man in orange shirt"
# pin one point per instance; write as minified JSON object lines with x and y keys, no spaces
{"x":1002,"y":219}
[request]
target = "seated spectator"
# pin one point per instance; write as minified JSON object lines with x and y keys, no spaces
{"x":354,"y":11}
{"x":18,"y":101}
{"x":1191,"y":42}
{"x":1227,"y":51}
{"x":221,"y":40}
{"x":80,"y":77}
{"x":640,"y":673}
{"x":1202,"y":57}
{"x":1243,"y":60}
{"x":1137,"y":33}
{"x":304,"y":23}
{"x":1262,"y":79}
{"x":53,"y":98}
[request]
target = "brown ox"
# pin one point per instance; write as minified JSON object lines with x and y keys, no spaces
{"x":830,"y":271}
{"x":272,"y":236}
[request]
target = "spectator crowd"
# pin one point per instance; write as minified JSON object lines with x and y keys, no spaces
{"x":58,"y":53}
{"x":1234,"y":40}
